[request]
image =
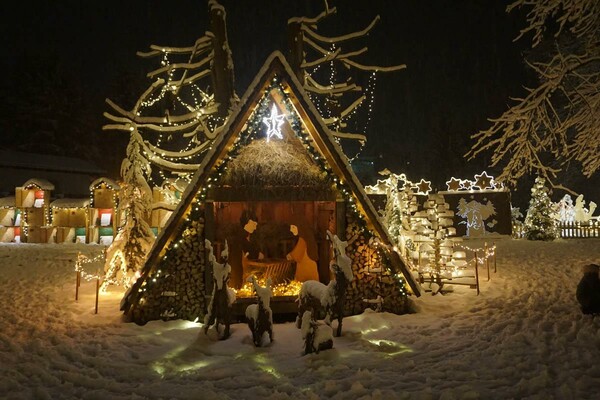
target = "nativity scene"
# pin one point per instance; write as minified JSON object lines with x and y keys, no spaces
{"x":272,"y":186}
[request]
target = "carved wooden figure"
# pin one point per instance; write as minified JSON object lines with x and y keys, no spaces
{"x":260,"y":315}
{"x":317,"y":297}
{"x":219,"y":309}
{"x":316,"y":336}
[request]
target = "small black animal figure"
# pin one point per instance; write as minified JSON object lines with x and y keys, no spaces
{"x":260,"y":316}
{"x":316,"y":336}
{"x":588,"y":290}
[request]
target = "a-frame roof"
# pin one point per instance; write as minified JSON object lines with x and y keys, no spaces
{"x":275,"y":66}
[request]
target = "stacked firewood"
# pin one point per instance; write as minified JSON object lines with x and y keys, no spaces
{"x":178,"y":292}
{"x":372,"y":276}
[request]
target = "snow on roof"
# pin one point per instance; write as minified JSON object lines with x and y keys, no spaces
{"x":70,"y":203}
{"x":7,"y":201}
{"x":46,"y":162}
{"x":107,"y":181}
{"x":39,"y":182}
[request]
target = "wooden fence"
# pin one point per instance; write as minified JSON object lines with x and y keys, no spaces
{"x":568,"y":230}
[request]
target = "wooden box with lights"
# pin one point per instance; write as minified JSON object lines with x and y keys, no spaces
{"x":9,"y":220}
{"x":164,"y":202}
{"x":102,"y":217}
{"x":69,"y":217}
{"x":32,"y":200}
{"x":41,"y":234}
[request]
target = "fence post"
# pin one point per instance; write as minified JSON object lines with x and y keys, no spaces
{"x":487,"y":260}
{"x":77,"y":283}
{"x":476,"y":274}
{"x":495,"y":250}
{"x":97,"y":292}
{"x":77,"y":275}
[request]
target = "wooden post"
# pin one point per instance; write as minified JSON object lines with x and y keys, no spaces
{"x":222,"y":64}
{"x":494,"y":256}
{"x":77,"y":283}
{"x":295,"y":48}
{"x":487,"y":260}
{"x":97,"y":293}
{"x":209,"y":233}
{"x":476,"y":274}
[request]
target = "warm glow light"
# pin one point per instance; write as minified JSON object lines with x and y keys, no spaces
{"x":283,"y":289}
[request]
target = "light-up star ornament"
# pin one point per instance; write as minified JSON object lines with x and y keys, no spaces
{"x":274,"y":123}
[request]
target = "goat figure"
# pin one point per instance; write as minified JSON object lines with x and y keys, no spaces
{"x":316,"y":336}
{"x":260,"y":315}
{"x":219,"y":309}
{"x":317,"y":297}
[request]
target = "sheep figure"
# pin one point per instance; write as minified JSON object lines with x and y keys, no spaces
{"x":219,"y":309}
{"x":260,"y":315}
{"x":316,"y":297}
{"x":316,"y":336}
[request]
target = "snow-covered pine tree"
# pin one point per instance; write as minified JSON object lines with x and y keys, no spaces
{"x":127,"y":254}
{"x":540,"y":223}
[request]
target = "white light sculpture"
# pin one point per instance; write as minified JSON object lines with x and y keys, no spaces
{"x":274,"y":123}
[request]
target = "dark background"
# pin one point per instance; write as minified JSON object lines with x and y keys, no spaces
{"x":62,"y":59}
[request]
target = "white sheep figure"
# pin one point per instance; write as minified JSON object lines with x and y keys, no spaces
{"x":260,"y":316}
{"x":315,"y":296}
{"x":316,"y":336}
{"x":219,"y":309}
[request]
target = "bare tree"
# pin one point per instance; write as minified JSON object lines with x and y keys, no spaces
{"x":558,"y":121}
{"x":311,"y":54}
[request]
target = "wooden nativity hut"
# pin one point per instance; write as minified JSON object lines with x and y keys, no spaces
{"x":271,"y":185}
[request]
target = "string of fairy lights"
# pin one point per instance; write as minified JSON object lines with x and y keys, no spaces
{"x":197,"y":102}
{"x":82,"y":261}
{"x":326,"y":111}
{"x":253,"y":129}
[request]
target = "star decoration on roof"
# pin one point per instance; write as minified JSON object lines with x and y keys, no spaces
{"x":424,"y":187}
{"x":454,"y":184}
{"x":466,"y":184}
{"x":483,"y":181}
{"x":274,"y":123}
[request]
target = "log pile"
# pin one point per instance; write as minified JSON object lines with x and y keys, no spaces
{"x":372,"y":276}
{"x":179,"y":289}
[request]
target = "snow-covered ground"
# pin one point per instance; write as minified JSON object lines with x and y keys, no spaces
{"x":523,"y":337}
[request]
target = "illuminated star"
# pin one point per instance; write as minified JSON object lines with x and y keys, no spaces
{"x":483,"y":181}
{"x":274,"y":123}
{"x":466,"y":184}
{"x":424,"y":187}
{"x":453,"y":184}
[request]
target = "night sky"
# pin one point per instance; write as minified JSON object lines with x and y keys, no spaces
{"x":462,"y":68}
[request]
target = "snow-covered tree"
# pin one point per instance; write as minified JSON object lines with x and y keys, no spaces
{"x":127,"y":253}
{"x":559,"y":120}
{"x":186,"y":103}
{"x":171,"y":125}
{"x":540,"y":222}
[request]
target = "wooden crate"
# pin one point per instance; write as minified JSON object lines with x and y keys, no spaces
{"x":35,"y":216}
{"x":7,"y":234}
{"x":7,"y":216}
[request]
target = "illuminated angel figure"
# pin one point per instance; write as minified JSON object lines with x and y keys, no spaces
{"x":475,"y":213}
